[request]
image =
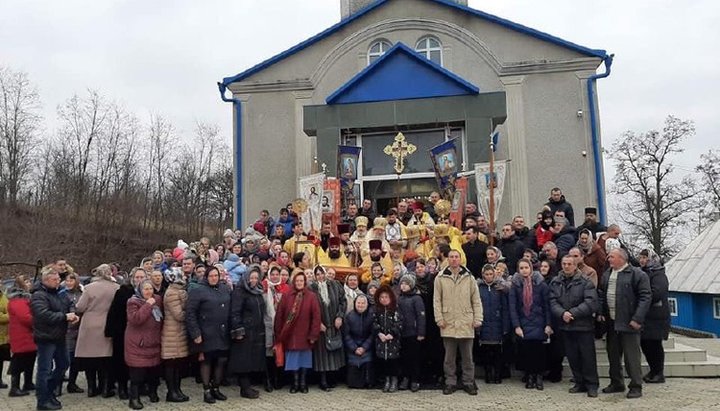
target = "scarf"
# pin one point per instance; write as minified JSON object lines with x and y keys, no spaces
{"x":351,"y":293}
{"x":245,"y":279}
{"x":292,"y":315}
{"x":527,"y":295}
{"x":323,"y":290}
{"x":272,"y":297}
{"x":156,"y":311}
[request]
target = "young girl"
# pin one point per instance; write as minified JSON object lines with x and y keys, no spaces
{"x":496,"y":323}
{"x":387,"y":326}
{"x":531,"y":318}
{"x":412,"y":312}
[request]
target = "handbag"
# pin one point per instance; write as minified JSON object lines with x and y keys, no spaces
{"x":333,"y":342}
{"x":279,"y":355}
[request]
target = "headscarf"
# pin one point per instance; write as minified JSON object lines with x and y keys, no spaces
{"x":350,"y":293}
{"x":499,"y":254}
{"x":322,"y":285}
{"x":245,"y":280}
{"x":590,"y":243}
{"x":132,"y":276}
{"x":174,"y":275}
{"x":156,"y":311}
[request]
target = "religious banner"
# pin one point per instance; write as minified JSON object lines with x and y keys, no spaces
{"x":310,"y":189}
{"x":483,"y":182}
{"x":331,"y":208}
{"x":445,"y":161}
{"x":347,"y":163}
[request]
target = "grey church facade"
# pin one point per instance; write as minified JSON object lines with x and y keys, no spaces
{"x":433,"y":69}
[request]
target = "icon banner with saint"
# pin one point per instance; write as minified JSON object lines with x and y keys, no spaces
{"x":310,"y":189}
{"x":445,"y":162}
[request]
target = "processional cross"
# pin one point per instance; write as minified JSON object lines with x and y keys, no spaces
{"x":399,"y":150}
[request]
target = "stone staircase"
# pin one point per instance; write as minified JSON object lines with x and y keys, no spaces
{"x":680,"y":361}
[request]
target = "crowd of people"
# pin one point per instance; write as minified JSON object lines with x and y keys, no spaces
{"x":393,"y":302}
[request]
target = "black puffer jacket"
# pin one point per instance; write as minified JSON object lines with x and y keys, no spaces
{"x":577,"y":295}
{"x":207,"y":314}
{"x":387,"y":321}
{"x":412,"y":311}
{"x":657,"y":320}
{"x":49,"y":308}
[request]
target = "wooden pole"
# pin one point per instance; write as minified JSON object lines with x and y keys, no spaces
{"x":491,"y":208}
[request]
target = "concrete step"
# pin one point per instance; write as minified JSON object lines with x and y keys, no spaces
{"x":680,"y":353}
{"x":693,"y":369}
{"x":669,"y":343}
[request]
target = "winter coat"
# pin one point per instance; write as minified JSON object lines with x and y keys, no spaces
{"x":597,"y":259}
{"x":143,"y":333}
{"x":475,"y":255}
{"x":533,"y":325}
{"x":174,"y":333}
{"x":496,"y":315}
{"x":4,"y":319}
{"x":305,"y":327}
{"x":93,"y":307}
{"x":207,"y":314}
{"x":412,"y":312}
{"x":512,"y":249}
{"x":564,"y":206}
{"x":49,"y":310}
{"x":633,"y":297}
{"x":657,"y":320}
{"x":20,"y":328}
{"x":457,"y":303}
{"x":73,"y":329}
{"x":358,"y":332}
{"x":234,"y":267}
{"x":564,"y":240}
{"x":577,"y":295}
{"x":117,"y":315}
{"x":247,"y":313}
{"x":388,"y":322}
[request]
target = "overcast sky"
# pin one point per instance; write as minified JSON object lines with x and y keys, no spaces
{"x":165,"y":56}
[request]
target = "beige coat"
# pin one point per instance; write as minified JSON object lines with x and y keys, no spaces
{"x":174,"y":334}
{"x":457,"y":303}
{"x":93,"y":306}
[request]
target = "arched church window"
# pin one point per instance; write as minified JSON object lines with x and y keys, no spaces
{"x":377,"y":49}
{"x":431,"y":48}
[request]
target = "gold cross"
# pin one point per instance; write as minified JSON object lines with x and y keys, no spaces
{"x":399,"y":150}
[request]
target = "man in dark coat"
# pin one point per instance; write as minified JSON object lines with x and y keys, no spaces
{"x":563,"y":236}
{"x":51,"y":315}
{"x":591,"y":222}
{"x":625,"y":297}
{"x":573,"y":300}
{"x":557,"y":202}
{"x":474,"y":251}
{"x":512,"y":248}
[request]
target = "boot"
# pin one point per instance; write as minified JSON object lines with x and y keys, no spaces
{"x":303,"y":381}
{"x":497,"y":375}
{"x":323,"y":382}
{"x":246,"y":391}
{"x":92,"y":389}
{"x":15,"y":390}
{"x":539,"y":382}
{"x":171,"y":382}
{"x":108,"y":387}
{"x":135,"y":402}
{"x":152,"y":393}
{"x":215,"y":391}
{"x":207,"y":395}
{"x":530,"y":381}
{"x":178,"y":381}
{"x":295,"y":387}
{"x":404,"y":384}
{"x":488,"y":375}
{"x":269,"y":386}
{"x":28,"y":385}
{"x":58,"y":390}
{"x":122,"y":390}
{"x":73,"y":388}
{"x":386,"y":387}
{"x":393,"y":384}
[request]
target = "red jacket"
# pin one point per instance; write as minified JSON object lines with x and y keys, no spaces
{"x":20,"y":327}
{"x":306,"y":326}
{"x":143,"y":334}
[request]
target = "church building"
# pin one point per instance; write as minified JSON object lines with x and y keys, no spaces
{"x":433,"y":70}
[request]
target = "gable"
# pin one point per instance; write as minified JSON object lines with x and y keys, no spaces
{"x":401,"y":74}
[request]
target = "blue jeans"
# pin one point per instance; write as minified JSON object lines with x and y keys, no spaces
{"x":48,"y":378}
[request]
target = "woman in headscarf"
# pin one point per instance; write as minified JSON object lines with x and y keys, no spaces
{"x":206,"y":318}
{"x":297,"y":328}
{"x":117,"y":323}
{"x":20,"y":331}
{"x":595,"y":256}
{"x":657,"y":320}
{"x":73,"y":291}
{"x":331,"y":296}
{"x":174,"y":334}
{"x":247,"y":330}
{"x":358,"y":338}
{"x":94,"y":350}
{"x":273,"y":289}
{"x":352,"y":290}
{"x":143,"y":337}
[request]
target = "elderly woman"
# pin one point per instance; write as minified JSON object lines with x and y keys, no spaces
{"x":142,"y":342}
{"x":174,"y":340}
{"x":115,"y":328}
{"x":297,"y":328}
{"x":328,"y":357}
{"x":657,"y":320}
{"x":247,"y":315}
{"x":73,"y":291}
{"x":94,"y":350}
{"x":273,"y":289}
{"x":20,"y":331}
{"x":206,"y":318}
{"x":358,"y":338}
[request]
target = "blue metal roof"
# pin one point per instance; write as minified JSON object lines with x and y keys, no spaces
{"x":401,"y":74}
{"x":477,"y":13}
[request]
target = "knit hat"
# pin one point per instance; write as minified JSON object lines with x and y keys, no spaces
{"x":373,"y":284}
{"x":409,"y":279}
{"x":229,"y":233}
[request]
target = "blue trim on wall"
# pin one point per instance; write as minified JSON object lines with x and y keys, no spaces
{"x":595,"y":139}
{"x":237,"y":106}
{"x":695,"y":312}
{"x":401,"y":74}
{"x":477,"y":13}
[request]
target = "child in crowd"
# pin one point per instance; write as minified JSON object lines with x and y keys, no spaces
{"x":387,"y":327}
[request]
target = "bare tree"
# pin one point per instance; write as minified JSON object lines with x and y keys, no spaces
{"x":655,"y":201}
{"x":19,"y":123}
{"x":709,"y":170}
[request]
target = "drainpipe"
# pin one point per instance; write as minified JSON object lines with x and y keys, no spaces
{"x":238,"y":163}
{"x":594,"y":132}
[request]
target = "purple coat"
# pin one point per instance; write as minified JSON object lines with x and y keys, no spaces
{"x":143,"y":334}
